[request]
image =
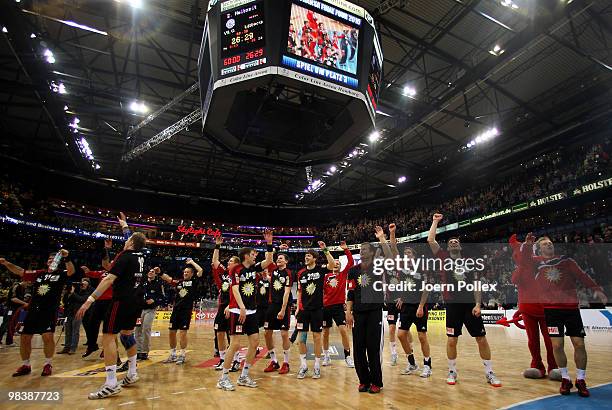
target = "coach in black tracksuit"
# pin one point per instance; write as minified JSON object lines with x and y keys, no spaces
{"x":364,"y":312}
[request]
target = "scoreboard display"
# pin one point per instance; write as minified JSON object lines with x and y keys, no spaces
{"x":243,"y":35}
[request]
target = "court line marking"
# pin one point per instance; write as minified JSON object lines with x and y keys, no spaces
{"x":544,"y":397}
{"x":178,"y":392}
{"x":153,"y":398}
{"x":200,"y":388}
{"x":127,"y":403}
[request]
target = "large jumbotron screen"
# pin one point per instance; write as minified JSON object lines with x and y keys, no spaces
{"x":325,"y":41}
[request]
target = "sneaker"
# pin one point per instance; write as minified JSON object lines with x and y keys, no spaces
{"x":47,"y":370}
{"x":129,"y":380}
{"x":65,"y":350}
{"x":267,"y":356}
{"x":226,"y":384}
{"x":363,"y":388}
{"x":555,"y":375}
{"x":170,"y":359}
{"x":374,"y":389}
{"x":426,"y":371}
{"x":118,"y":363}
{"x":326,"y":361}
{"x":22,"y":371}
{"x":582,"y":388}
{"x":410,"y":369}
{"x":284,"y":369}
{"x":180,"y":359}
{"x":349,"y":361}
{"x":393,"y":359}
{"x":533,"y":373}
{"x":219,"y":366}
{"x":235,"y":366}
{"x":452,"y":378}
{"x":104,"y":392}
{"x":316,"y":374}
{"x":246,"y":381}
{"x":272,"y":367}
{"x":124,"y":367}
{"x":89,"y":351}
{"x":302,"y":373}
{"x":493,"y":380}
{"x":566,"y":387}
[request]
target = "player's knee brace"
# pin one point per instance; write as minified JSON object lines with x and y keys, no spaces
{"x":127,"y":341}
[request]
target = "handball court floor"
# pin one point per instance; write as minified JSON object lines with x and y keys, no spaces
{"x":193,"y":385}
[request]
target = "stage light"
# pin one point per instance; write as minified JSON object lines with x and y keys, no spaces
{"x":483,"y":137}
{"x":65,"y":108}
{"x":58,"y":88}
{"x":134,"y":3}
{"x":409,"y":91}
{"x":139,"y":107}
{"x":497,"y":50}
{"x":333,"y":169}
{"x":374,"y":136}
{"x":510,"y":4}
{"x":32,"y":35}
{"x":401,"y":179}
{"x":4,"y":30}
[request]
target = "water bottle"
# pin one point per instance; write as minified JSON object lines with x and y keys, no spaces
{"x":56,"y":261}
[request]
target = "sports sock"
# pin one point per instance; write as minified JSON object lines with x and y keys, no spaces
{"x":48,"y":360}
{"x":303,"y":363}
{"x":132,"y":365}
{"x":26,"y":362}
{"x":273,"y":356}
{"x":222,"y":354}
{"x":326,"y":354}
{"x":564,"y":372}
{"x":347,"y":353}
{"x":225,"y":374}
{"x":245,"y":370}
{"x":111,"y":375}
{"x":488,"y":364}
{"x":393,"y":347}
{"x":580,"y":374}
{"x":411,"y":359}
{"x":173,"y":351}
{"x":317,"y":362}
{"x":285,"y":356}
{"x":452,"y":365}
{"x":181,"y":352}
{"x":237,"y":356}
{"x":427,"y":361}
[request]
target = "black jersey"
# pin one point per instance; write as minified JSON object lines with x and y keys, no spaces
{"x":246,"y":279}
{"x":47,"y":286}
{"x":310,"y":285}
{"x":128,"y":267}
{"x":279,"y":280}
{"x":361,"y":289}
{"x":187,"y":292}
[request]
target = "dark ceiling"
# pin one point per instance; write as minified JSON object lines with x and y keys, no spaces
{"x":552,"y":83}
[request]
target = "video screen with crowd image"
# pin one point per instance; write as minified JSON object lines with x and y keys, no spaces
{"x":323,"y":40}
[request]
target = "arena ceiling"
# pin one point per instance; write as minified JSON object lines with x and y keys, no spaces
{"x":540,"y":72}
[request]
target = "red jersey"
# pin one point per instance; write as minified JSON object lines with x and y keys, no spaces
{"x":556,"y":279}
{"x":223,"y":280}
{"x":334,"y":287}
{"x":246,"y":279}
{"x":101,"y":274}
{"x":524,"y":279}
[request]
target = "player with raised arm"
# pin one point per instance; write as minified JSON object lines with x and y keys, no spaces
{"x":125,"y":276}
{"x":48,"y":285}
{"x":243,"y":309}
{"x":223,"y":281}
{"x":334,"y":296}
{"x":557,"y":277}
{"x":311,"y":280}
{"x":462,"y":308}
{"x":394,"y":307}
{"x":278,"y":316}
{"x":187,"y":292}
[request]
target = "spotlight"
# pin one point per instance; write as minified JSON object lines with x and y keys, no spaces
{"x":139,"y":107}
{"x":409,"y":91}
{"x":333,"y":169}
{"x":374,"y":136}
{"x":4,"y":30}
{"x":401,"y":179}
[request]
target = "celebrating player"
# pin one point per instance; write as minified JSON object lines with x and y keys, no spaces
{"x":42,"y":311}
{"x":310,"y":316}
{"x":125,"y":276}
{"x":462,"y":308}
{"x":153,"y":294}
{"x":279,"y":311}
{"x":187,"y":293}
{"x":334,"y":296}
{"x":556,"y":277}
{"x":243,"y":309}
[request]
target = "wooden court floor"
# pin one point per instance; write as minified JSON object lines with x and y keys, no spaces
{"x":164,"y":386}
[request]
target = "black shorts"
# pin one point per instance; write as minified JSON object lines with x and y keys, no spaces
{"x":334,"y":313}
{"x":221,"y":322}
{"x":262,"y":310}
{"x":392,"y":313}
{"x":272,"y":322}
{"x":310,"y":320}
{"x":180,"y":319}
{"x":121,"y":315}
{"x":39,"y":321}
{"x":249,"y":327}
{"x":564,"y":322}
{"x":408,"y":316}
{"x":459,"y":314}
